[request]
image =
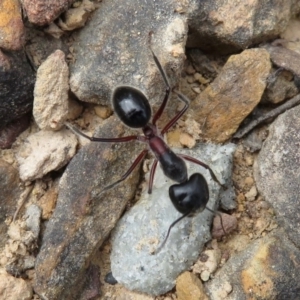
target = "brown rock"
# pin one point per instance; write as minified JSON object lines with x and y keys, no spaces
{"x":229,"y":223}
{"x":223,"y":105}
{"x":12,"y":288}
{"x":189,"y":287}
{"x":42,"y":12}
{"x":10,"y":192}
{"x":12,"y":32}
{"x":50,"y":106}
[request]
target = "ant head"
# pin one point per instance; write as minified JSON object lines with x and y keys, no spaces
{"x":131,"y":106}
{"x":190,"y":196}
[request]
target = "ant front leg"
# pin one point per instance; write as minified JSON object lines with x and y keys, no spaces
{"x":141,"y":156}
{"x":103,"y":140}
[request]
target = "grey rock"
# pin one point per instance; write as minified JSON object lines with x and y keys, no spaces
{"x":45,"y":151}
{"x":228,"y":26}
{"x":84,"y":215}
{"x":33,"y":218}
{"x":285,"y":58}
{"x":277,"y":172}
{"x":141,"y":231}
{"x":114,"y":49}
{"x":10,"y":192}
{"x":266,"y":269}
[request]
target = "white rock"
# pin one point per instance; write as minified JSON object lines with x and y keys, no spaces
{"x":141,"y":230}
{"x":45,"y":151}
{"x":12,"y":288}
{"x":50,"y":106}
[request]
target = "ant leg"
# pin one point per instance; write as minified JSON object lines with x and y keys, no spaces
{"x":135,"y":163}
{"x":168,"y":89}
{"x":164,"y":103}
{"x":153,"y":168}
{"x":198,"y":162}
{"x":169,"y":230}
{"x":179,"y":115}
{"x":107,"y":140}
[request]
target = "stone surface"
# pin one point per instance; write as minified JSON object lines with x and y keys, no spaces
{"x":118,"y":51}
{"x":282,"y":87}
{"x":285,"y":58}
{"x":189,"y":287}
{"x":84,"y":217}
{"x":12,"y":130}
{"x":225,"y":103}
{"x":229,"y":26}
{"x":76,"y":17}
{"x":208,"y":262}
{"x":229,"y":223}
{"x":42,"y":13}
{"x":10,"y":192}
{"x":12,"y":32}
{"x":277,"y":171}
{"x":134,"y":262}
{"x":12,"y":288}
{"x":266,"y":269}
{"x":45,"y":151}
{"x":16,"y":86}
{"x":50,"y":106}
{"x":33,"y":218}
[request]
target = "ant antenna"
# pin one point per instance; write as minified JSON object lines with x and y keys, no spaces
{"x":169,"y":230}
{"x":182,"y":217}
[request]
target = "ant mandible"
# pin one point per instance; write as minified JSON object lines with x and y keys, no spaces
{"x":132,"y":107}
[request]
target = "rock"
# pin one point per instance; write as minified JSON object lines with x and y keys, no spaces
{"x":42,"y":46}
{"x":12,"y":288}
{"x":291,"y":35}
{"x":261,"y":271}
{"x":189,"y":287}
{"x":50,"y":106}
{"x":76,"y":17}
{"x":276,"y":171}
{"x":33,"y":218}
{"x":251,"y":194}
{"x":228,"y":26}
{"x":134,"y":262}
{"x":84,"y":215}
{"x":12,"y":31}
{"x":42,"y":13}
{"x":47,"y":202}
{"x":281,"y":88}
{"x":12,"y":130}
{"x":226,"y":102}
{"x":124,"y":57}
{"x":45,"y":151}
{"x":16,"y":81}
{"x":208,"y":261}
{"x":10,"y":192}
{"x":285,"y":58}
{"x":229,"y":223}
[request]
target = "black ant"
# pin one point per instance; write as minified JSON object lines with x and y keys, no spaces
{"x":190,"y":195}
